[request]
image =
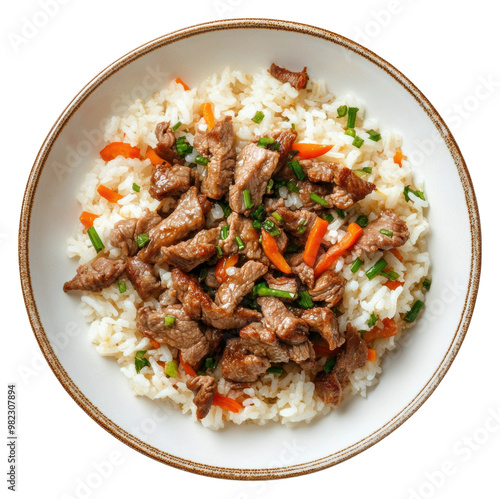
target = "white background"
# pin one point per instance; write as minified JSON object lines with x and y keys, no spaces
{"x":448,"y":49}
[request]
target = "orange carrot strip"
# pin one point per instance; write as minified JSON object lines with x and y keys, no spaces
{"x":226,"y":403}
{"x":392,"y":285}
{"x":335,"y":251}
{"x":111,"y":151}
{"x":398,"y":157}
{"x":314,"y":241}
{"x":397,"y":254}
{"x":208,"y":114}
{"x":87,"y":219}
{"x":389,"y":328}
{"x":154,"y":343}
{"x":187,"y":368}
{"x":273,"y":253}
{"x":372,"y":355}
{"x":154,"y":158}
{"x":222,"y":265}
{"x":308,"y":151}
{"x":161,"y":364}
{"x":179,"y":80}
{"x":323,"y":351}
{"x":108,"y":194}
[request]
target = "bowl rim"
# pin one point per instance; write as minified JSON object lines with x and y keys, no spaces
{"x":224,"y":472}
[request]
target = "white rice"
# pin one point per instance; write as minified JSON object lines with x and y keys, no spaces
{"x":289,"y":398}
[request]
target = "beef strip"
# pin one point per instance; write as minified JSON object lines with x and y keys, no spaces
{"x":292,"y":220}
{"x":211,"y":281}
{"x":356,"y":187}
{"x":328,"y":287}
{"x":240,"y":365}
{"x":254,"y":168}
{"x":242,"y":226}
{"x":285,"y":139}
{"x":166,"y":143}
{"x":282,"y":322}
{"x":324,"y":321}
{"x":272,"y":204}
{"x":188,"y":216}
{"x":102,"y":273}
{"x":323,"y":190}
{"x":297,"y":80}
{"x":171,"y":180}
{"x":214,"y":338}
{"x":185,"y":334}
{"x":204,"y":388}
{"x":217,"y":145}
{"x":372,"y":240}
{"x":125,"y":232}
{"x":143,"y":278}
{"x":238,"y":284}
{"x":300,"y":268}
{"x":327,"y":387}
{"x":304,"y":355}
{"x":284,"y":283}
{"x":262,"y":341}
{"x":189,"y":254}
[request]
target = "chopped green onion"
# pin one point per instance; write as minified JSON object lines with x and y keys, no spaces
{"x":362,"y":221}
{"x":265,"y":141}
{"x":302,"y":226}
{"x":260,"y":239}
{"x":351,"y":117}
{"x":275,"y":370}
{"x":262,"y":289}
{"x":293,"y":126}
{"x":426,"y":284}
{"x":359,"y":173}
{"x":176,"y":126}
{"x":183,"y":147}
{"x":224,"y":232}
{"x":136,"y":187}
{"x":247,"y":199}
{"x":219,"y":251}
{"x":95,"y":239}
{"x":376,"y":269}
{"x":171,"y":369}
{"x":372,"y":320}
{"x":340,"y":213}
{"x":140,"y":361}
{"x":142,"y":240}
{"x":357,"y":142}
{"x":292,"y":187}
{"x":292,"y":248}
{"x":367,"y":169}
{"x":419,"y":194}
{"x":386,"y":232}
{"x":275,"y":146}
{"x":210,"y":363}
{"x":328,"y":217}
{"x":373,"y":135}
{"x":318,"y":199}
{"x":169,"y":320}
{"x":256,"y":225}
{"x":259,"y":116}
{"x":351,"y":132}
{"x":412,"y":314}
{"x":334,"y":309}
{"x":259,"y":214}
{"x":269,"y":226}
{"x":277,"y":217}
{"x":225,"y":208}
{"x":392,"y":276}
{"x":297,"y":170}
{"x":269,"y":187}
{"x":200,"y":160}
{"x":240,"y":243}
{"x":122,"y":287}
{"x":356,"y":265}
{"x":362,"y":332}
{"x":305,"y":300}
{"x":292,"y":154}
{"x":330,"y":364}
{"x":341,"y":111}
{"x":203,"y":274}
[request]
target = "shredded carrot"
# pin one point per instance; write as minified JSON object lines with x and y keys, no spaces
{"x":179,"y":80}
{"x":161,"y":364}
{"x":227,"y":403}
{"x":187,"y":368}
{"x":354,"y":231}
{"x":323,"y":351}
{"x":273,"y":253}
{"x":154,"y":158}
{"x":398,"y":157}
{"x":108,"y":194}
{"x":223,"y":264}
{"x":309,"y":151}
{"x":388,"y":329}
{"x":397,"y":254}
{"x":314,"y":241}
{"x":154,"y":343}
{"x":208,"y":114}
{"x":372,"y":355}
{"x":111,"y":151}
{"x":87,"y":219}
{"x":392,"y":285}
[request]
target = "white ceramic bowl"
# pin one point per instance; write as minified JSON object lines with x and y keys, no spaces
{"x":411,"y":373}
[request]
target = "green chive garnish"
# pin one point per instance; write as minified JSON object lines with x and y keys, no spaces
{"x":171,"y":369}
{"x":224,"y":232}
{"x":275,"y":370}
{"x":386,"y":232}
{"x":200,"y":160}
{"x":95,"y":239}
{"x":302,"y":226}
{"x":372,"y":320}
{"x":256,"y":224}
{"x":265,"y":141}
{"x":277,"y":217}
{"x":340,"y":213}
{"x":297,"y":170}
{"x":356,"y":265}
{"x":362,"y":221}
{"x":210,"y":363}
{"x":290,"y":185}
{"x":419,"y":194}
{"x":351,"y":132}
{"x":415,"y":310}
{"x":183,"y":147}
{"x":176,"y":126}
{"x":275,"y":146}
{"x":292,"y":248}
{"x":367,"y":169}
{"x":140,"y":361}
{"x":357,"y":142}
{"x":373,"y":135}
{"x":259,"y":116}
{"x":293,"y":126}
{"x":330,"y":364}
{"x":426,"y":284}
{"x":219,"y":251}
{"x":341,"y":111}
{"x":269,"y":187}
{"x":240,"y":243}
{"x":318,"y":199}
{"x":328,"y":217}
{"x":247,"y":199}
{"x":122,"y":287}
{"x":376,"y":269}
{"x":351,"y":117}
{"x":259,"y":214}
{"x":203,"y":274}
{"x":263,"y":290}
{"x":136,"y":187}
{"x":392,"y":276}
{"x":269,"y":226}
{"x":225,"y":208}
{"x":142,"y":240}
{"x":305,"y":300}
{"x":169,"y":320}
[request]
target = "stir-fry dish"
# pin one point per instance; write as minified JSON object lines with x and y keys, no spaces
{"x":250,"y":248}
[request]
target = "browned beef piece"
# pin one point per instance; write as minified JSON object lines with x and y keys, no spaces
{"x":292,"y":220}
{"x":301,"y":269}
{"x":322,"y":190}
{"x":354,"y":355}
{"x":272,"y":204}
{"x":204,"y":389}
{"x":341,"y":198}
{"x":324,"y":321}
{"x":217,"y":145}
{"x":171,"y":180}
{"x":214,"y":338}
{"x":328,"y":388}
{"x":254,"y":168}
{"x":285,"y":139}
{"x":285,"y":324}
{"x":328,"y":287}
{"x":281,"y":240}
{"x":211,"y":281}
{"x":185,"y":334}
{"x":242,"y":226}
{"x":262,"y":341}
{"x":143,"y":278}
{"x":298,"y":80}
{"x":238,"y":284}
{"x":125,"y":232}
{"x":372,"y":240}
{"x":188,"y":216}
{"x":319,"y":171}
{"x":303,"y":354}
{"x":198,"y":305}
{"x":356,"y":187}
{"x":103,"y":272}
{"x":189,"y":254}
{"x":284,"y":283}
{"x":166,"y":143}
{"x":240,"y":365}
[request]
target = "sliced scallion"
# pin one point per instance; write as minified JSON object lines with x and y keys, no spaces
{"x":183,"y":147}
{"x":376,"y":269}
{"x":275,"y":146}
{"x":302,"y":226}
{"x":142,"y":240}
{"x":259,"y":214}
{"x":297,"y":170}
{"x":136,"y":187}
{"x":373,"y":135}
{"x":219,"y":251}
{"x":225,"y":208}
{"x":318,"y":199}
{"x":269,"y":187}
{"x":259,"y":116}
{"x":362,"y":221}
{"x":277,"y":217}
{"x":176,"y":126}
{"x":247,"y":199}
{"x":95,"y":239}
{"x":341,"y":111}
{"x":426,"y":284}
{"x":203,"y":274}
{"x":171,"y":369}
{"x":356,"y":265}
{"x":351,"y":132}
{"x":305,"y":300}
{"x":140,"y":361}
{"x":256,"y":225}
{"x":292,"y":187}
{"x":293,"y":126}
{"x":386,"y":232}
{"x":200,"y":160}
{"x":357,"y":142}
{"x":330,"y":364}
{"x":328,"y":217}
{"x":169,"y":320}
{"x":240,"y":243}
{"x":391,"y":275}
{"x":264,"y":141}
{"x":372,"y":320}
{"x":210,"y":363}
{"x":419,"y":194}
{"x":269,"y":226}
{"x":351,"y":117}
{"x":415,"y":310}
{"x":224,"y":232}
{"x":340,"y":213}
{"x":122,"y":287}
{"x":367,"y":169}
{"x":262,"y":289}
{"x":275,"y":370}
